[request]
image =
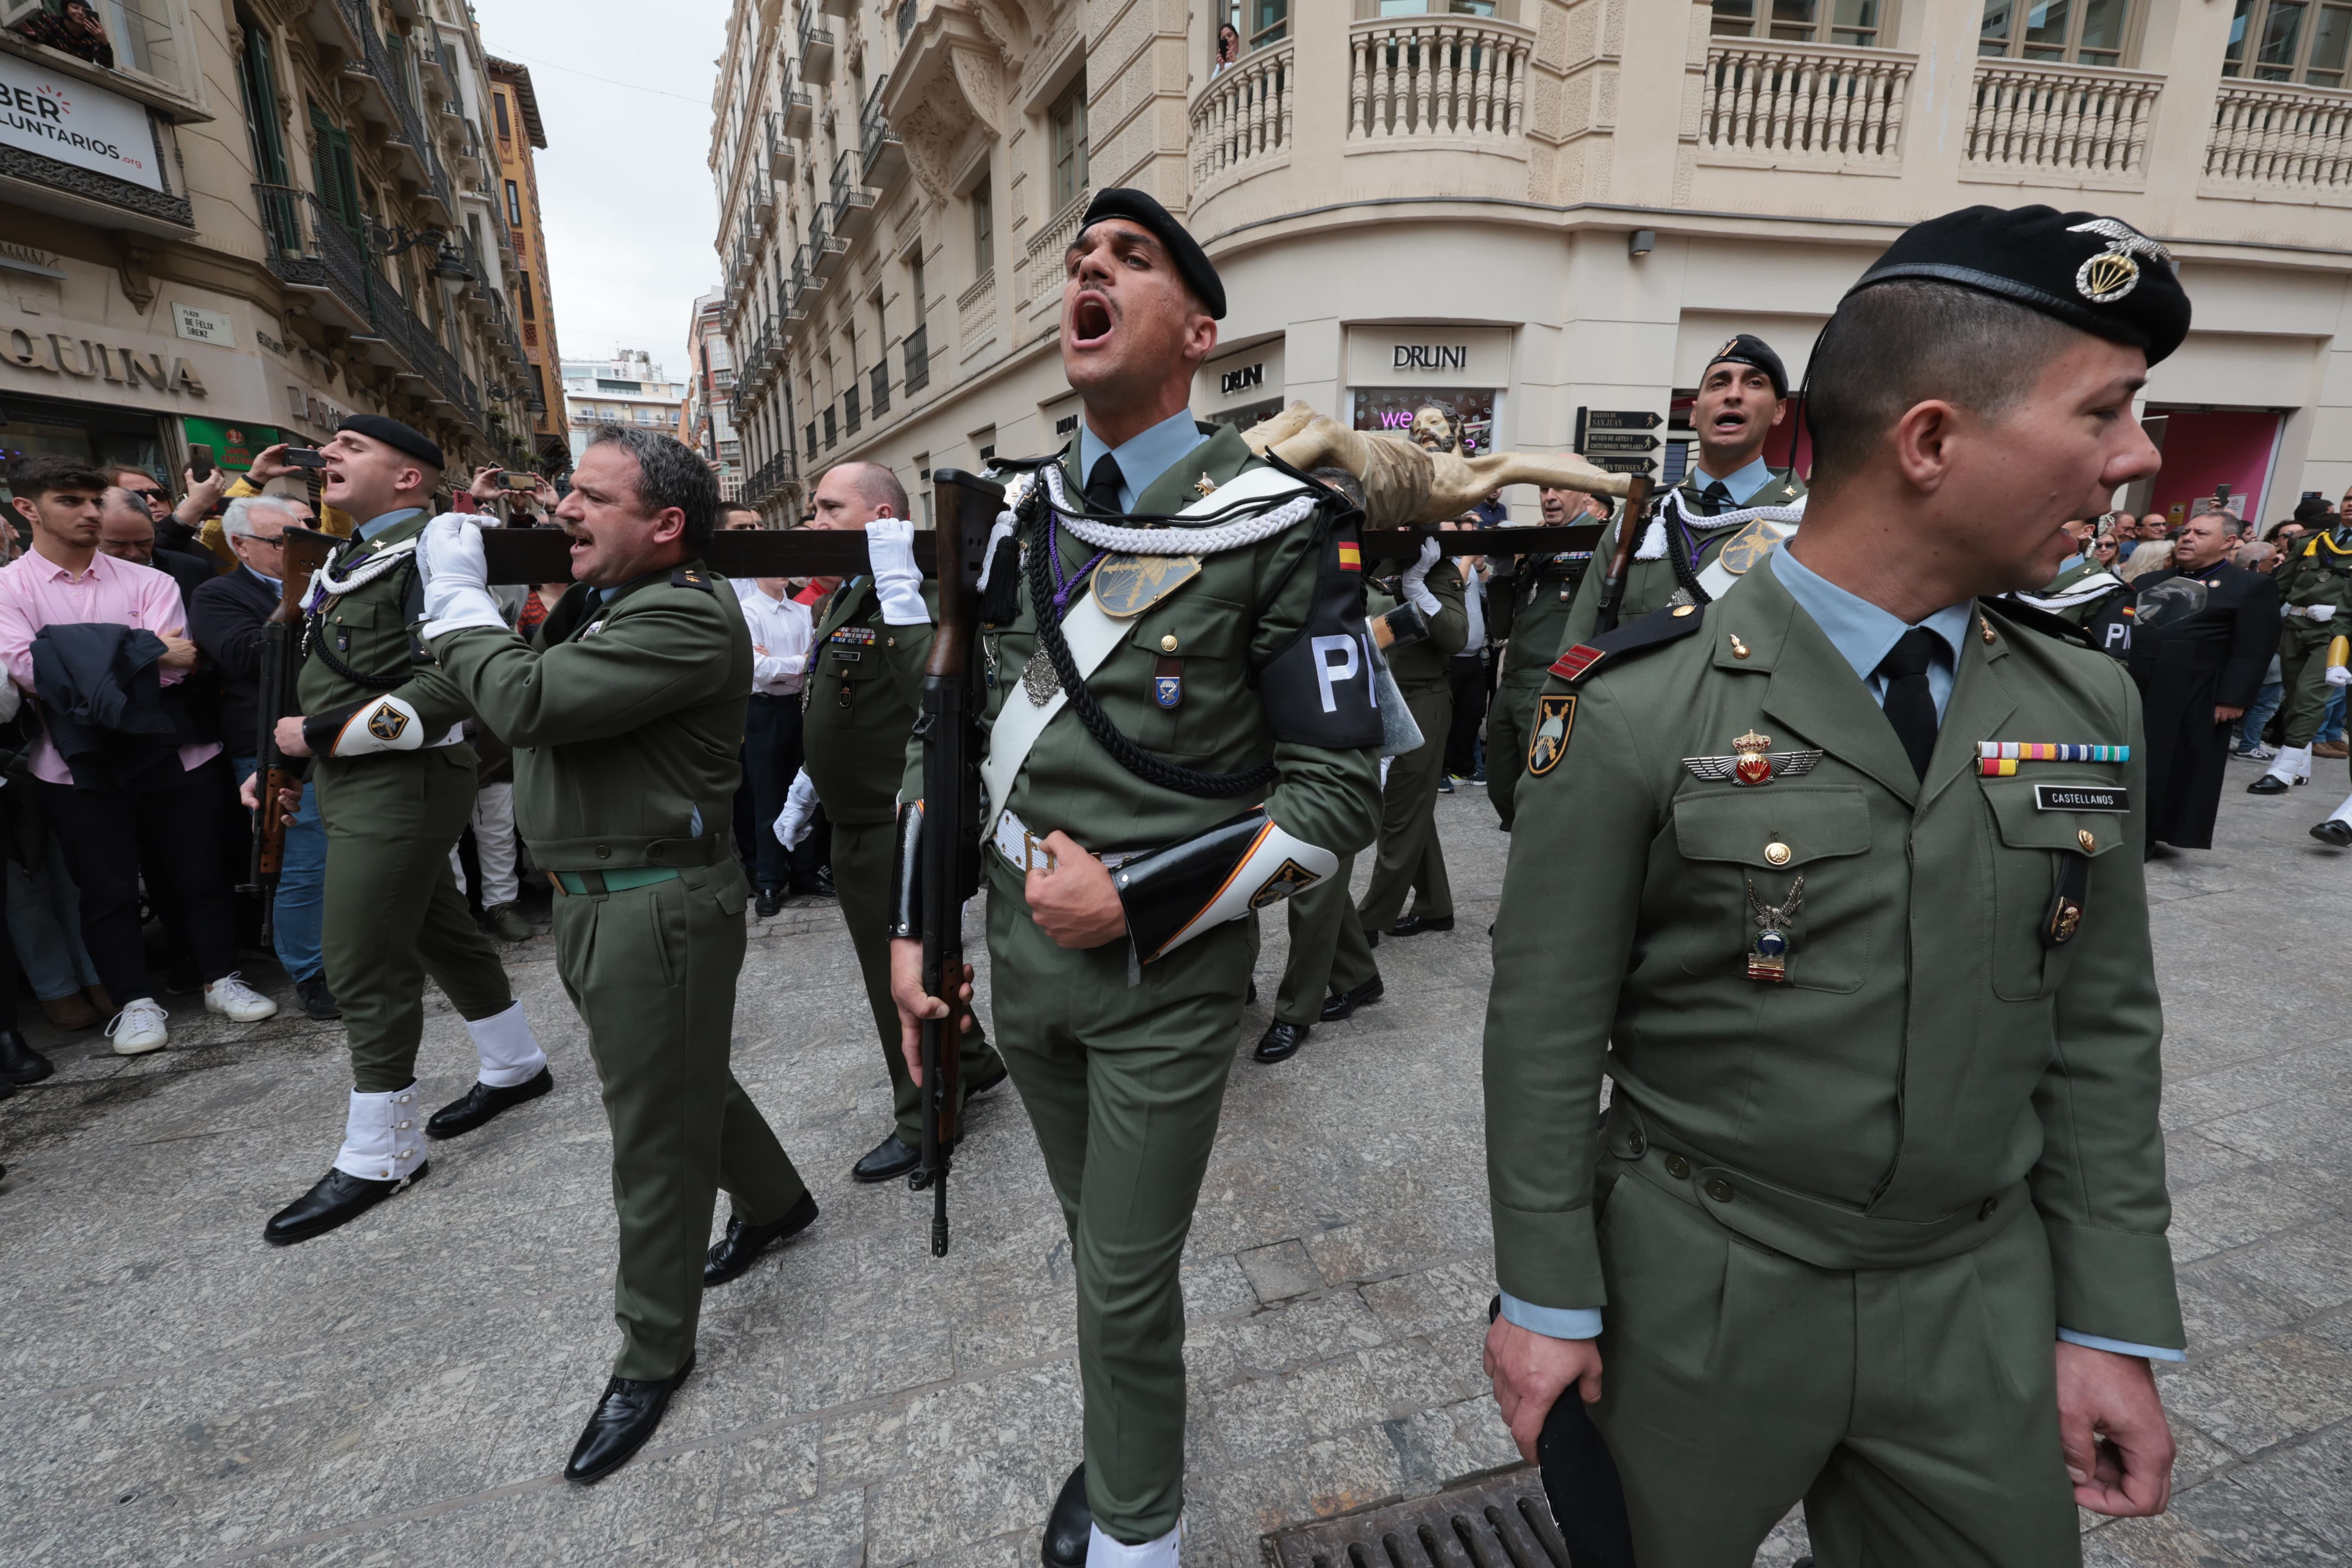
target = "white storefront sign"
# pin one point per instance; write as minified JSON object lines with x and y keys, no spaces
{"x":203,"y":326}
{"x":74,"y":123}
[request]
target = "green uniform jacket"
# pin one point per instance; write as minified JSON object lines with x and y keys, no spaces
{"x":1422,"y":665}
{"x":1929,"y":1067}
{"x":2320,"y":574}
{"x":1528,"y":608}
{"x":1243,"y":607}
{"x":863,"y":692}
{"x":367,"y":631}
{"x":626,"y":718}
{"x":1650,"y":583}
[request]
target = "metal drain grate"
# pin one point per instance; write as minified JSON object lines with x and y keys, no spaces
{"x":1502,"y":1521}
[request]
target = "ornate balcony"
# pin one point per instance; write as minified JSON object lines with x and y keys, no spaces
{"x":1776,"y":106}
{"x":853,"y":203}
{"x":800,"y":112}
{"x":1039,"y":278}
{"x":2271,"y":141}
{"x":2033,"y":123}
{"x":784,"y":158}
{"x":885,"y":153}
{"x":1442,"y":77}
{"x":816,"y":50}
{"x":1241,"y":120}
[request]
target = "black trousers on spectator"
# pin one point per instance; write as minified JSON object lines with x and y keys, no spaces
{"x":108,"y":833}
{"x":771,"y":755}
{"x":1466,"y":674}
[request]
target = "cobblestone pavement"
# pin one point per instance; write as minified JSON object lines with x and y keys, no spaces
{"x":405,"y":1391}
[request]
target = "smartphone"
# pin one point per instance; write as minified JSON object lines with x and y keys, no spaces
{"x":513,"y":481}
{"x":303,"y":458}
{"x":200,"y":460}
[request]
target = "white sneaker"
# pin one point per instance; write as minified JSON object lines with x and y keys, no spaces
{"x":2254,"y":754}
{"x":140,"y":1029}
{"x":233,"y":999}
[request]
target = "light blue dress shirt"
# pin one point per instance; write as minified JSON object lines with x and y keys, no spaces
{"x":1864,"y":634}
{"x":376,"y":525}
{"x":1143,"y":457}
{"x":1742,"y":483}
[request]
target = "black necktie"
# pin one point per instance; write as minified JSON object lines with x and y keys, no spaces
{"x":1715,"y":498}
{"x":1910,"y":706}
{"x":1102,"y":486}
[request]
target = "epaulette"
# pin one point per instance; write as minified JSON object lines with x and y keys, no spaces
{"x":2042,"y":621}
{"x":1652,"y":630}
{"x":690,"y":577}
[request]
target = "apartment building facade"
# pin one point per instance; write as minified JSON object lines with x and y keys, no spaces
{"x":521,"y":136}
{"x":1528,"y":211}
{"x":628,"y":389}
{"x":711,"y":394}
{"x":236,"y":221}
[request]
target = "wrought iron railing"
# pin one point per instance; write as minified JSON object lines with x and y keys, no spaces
{"x":916,"y":350}
{"x":877,"y":387}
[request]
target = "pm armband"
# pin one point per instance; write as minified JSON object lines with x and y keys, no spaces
{"x":906,"y":872}
{"x":1172,"y":895}
{"x":364,"y":729}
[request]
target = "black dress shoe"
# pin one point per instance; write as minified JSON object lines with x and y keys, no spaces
{"x":1069,"y":1527}
{"x":481,"y":1102}
{"x":2269,"y":784}
{"x":1281,"y":1041}
{"x":315,"y":1000}
{"x":1338,"y":1004}
{"x":20,"y":1064}
{"x":2334,"y":832}
{"x":770,"y":903}
{"x":981,"y":1086}
{"x":894,"y":1156}
{"x":1415,"y":923}
{"x":625,"y":1417}
{"x":338,"y":1199}
{"x":743,"y":1243}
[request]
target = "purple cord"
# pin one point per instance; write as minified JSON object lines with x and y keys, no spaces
{"x":1063,"y":587}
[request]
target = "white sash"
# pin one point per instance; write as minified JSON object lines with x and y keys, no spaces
{"x":1091,"y":636}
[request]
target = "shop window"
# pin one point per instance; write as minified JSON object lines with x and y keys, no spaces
{"x":2078,"y":32}
{"x":1393,"y":408}
{"x":2289,"y":40}
{"x":1856,"y":24}
{"x":1066,"y":133}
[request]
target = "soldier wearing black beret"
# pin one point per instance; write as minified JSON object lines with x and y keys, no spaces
{"x":1847,"y":861}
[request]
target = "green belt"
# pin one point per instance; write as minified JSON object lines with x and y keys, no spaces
{"x":619,"y":881}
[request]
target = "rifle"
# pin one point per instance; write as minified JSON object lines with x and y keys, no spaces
{"x":966,"y":506}
{"x":1612,"y":587}
{"x":305,"y":551}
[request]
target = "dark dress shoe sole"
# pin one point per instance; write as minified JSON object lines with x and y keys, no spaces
{"x":40,"y":1068}
{"x":1414,"y":925}
{"x":1070,"y":1526}
{"x":483,"y":1104}
{"x":2269,"y":784}
{"x":740,"y":1255}
{"x":870,"y":1173}
{"x":2334,"y":832}
{"x":1346,"y":1001}
{"x":314,"y":1225}
{"x":640,"y":1433}
{"x":1281,"y":1042}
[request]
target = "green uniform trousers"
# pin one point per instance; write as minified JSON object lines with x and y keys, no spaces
{"x":2303,"y":675}
{"x":1510,"y":721}
{"x":652,"y":971}
{"x":1914,"y":1410}
{"x":1123,"y":1085}
{"x":861,"y":875}
{"x":393,"y":912}
{"x":1328,"y":949}
{"x":1408,"y":856}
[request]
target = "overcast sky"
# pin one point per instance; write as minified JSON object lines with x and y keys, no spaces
{"x":629,"y":209}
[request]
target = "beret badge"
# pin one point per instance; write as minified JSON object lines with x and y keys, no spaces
{"x":2113,"y":272}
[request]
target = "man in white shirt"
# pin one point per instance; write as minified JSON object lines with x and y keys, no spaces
{"x":781,"y":630}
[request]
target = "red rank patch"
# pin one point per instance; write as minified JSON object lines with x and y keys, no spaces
{"x":1577,"y":661}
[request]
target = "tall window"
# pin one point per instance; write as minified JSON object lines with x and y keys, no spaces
{"x":984,"y":229}
{"x":514,"y":206}
{"x":2081,"y":32}
{"x":258,"y":83}
{"x":1267,"y":22}
{"x":918,"y":298}
{"x":2289,"y":40}
{"x":499,"y":102}
{"x":331,"y":174}
{"x":1856,"y":24}
{"x":523,"y":285}
{"x":1066,"y":125}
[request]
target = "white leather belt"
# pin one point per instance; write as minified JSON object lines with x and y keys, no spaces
{"x":1025,"y":851}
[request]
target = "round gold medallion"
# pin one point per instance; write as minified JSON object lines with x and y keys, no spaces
{"x":1167,"y":644}
{"x":1778,"y":853}
{"x":2084,"y":838}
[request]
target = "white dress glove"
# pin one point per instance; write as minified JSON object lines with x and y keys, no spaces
{"x":2320,"y":613}
{"x":898,"y":581}
{"x":799,"y":816}
{"x":1416,"y":580}
{"x":456,"y":579}
{"x":2338,"y":674}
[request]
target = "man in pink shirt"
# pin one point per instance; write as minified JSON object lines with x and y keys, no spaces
{"x":144,"y":806}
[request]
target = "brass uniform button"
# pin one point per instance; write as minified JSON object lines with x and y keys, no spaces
{"x":1168,"y":643}
{"x":1739,"y":648}
{"x":2084,"y":838}
{"x":1778,"y":853}
{"x":1677,"y":1167}
{"x":1720,"y":1190}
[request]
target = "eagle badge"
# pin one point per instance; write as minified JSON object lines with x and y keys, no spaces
{"x":1751,"y":763}
{"x":2113,"y":272}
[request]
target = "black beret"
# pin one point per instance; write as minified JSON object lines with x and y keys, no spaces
{"x":1192,"y":261}
{"x":2096,"y":273}
{"x":1749,"y":349}
{"x":396,"y":436}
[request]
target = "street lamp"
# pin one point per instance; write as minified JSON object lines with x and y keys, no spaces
{"x":448,"y":261}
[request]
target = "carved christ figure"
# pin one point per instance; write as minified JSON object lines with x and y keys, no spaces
{"x":1405,"y":484}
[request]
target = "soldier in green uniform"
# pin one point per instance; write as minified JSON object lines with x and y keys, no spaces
{"x":1409,"y":860}
{"x":1834,"y":879}
{"x":395,"y":784}
{"x":2316,"y":585}
{"x":1527,"y":609}
{"x":626,"y":715}
{"x":1684,"y":555}
{"x":1182,"y":730}
{"x":864,"y":692}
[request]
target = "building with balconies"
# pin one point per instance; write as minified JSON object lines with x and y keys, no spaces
{"x":239,"y":227}
{"x":511,"y":192}
{"x":711,"y":394}
{"x":1522,"y":209}
{"x":628,"y":389}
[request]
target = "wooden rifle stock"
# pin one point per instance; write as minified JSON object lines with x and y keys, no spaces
{"x":966,"y":506}
{"x":304,"y":551}
{"x":1620,"y":559}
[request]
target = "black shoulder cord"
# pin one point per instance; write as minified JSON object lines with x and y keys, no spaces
{"x":317,"y":643}
{"x":1125,"y":753}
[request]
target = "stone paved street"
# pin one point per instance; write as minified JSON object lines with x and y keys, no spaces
{"x":405,"y":1391}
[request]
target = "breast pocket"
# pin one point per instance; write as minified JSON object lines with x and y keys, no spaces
{"x":1196,"y":641}
{"x":1754,"y":847}
{"x":842,"y":674}
{"x":352,"y":624}
{"x":2046,"y":845}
